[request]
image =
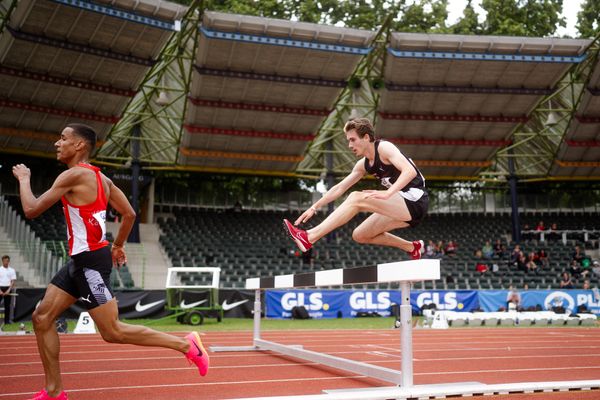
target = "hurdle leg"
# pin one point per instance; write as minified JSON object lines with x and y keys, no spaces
{"x":406,"y":335}
{"x":256,"y":330}
{"x":257,"y":315}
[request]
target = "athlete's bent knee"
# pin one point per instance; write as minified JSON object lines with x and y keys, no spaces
{"x":41,"y":321}
{"x":359,"y":237}
{"x":112,"y":335}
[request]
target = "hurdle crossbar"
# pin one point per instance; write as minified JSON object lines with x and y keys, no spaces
{"x":404,"y":272}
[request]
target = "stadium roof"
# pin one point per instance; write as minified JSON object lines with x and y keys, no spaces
{"x":68,"y":60}
{"x":260,"y":90}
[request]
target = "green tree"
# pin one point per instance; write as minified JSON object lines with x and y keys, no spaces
{"x":423,"y":16}
{"x":537,"y":18}
{"x":588,"y":19}
{"x":365,"y":14}
{"x":468,"y":24}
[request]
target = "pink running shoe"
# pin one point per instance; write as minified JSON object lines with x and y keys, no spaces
{"x":417,"y":252}
{"x":196,"y":354}
{"x":300,"y":236}
{"x":43,"y":395}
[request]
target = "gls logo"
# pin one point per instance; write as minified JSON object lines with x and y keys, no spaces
{"x":365,"y":301}
{"x":447,"y":303}
{"x":291,"y":300}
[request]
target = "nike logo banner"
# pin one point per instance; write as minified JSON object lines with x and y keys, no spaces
{"x":139,"y":307}
{"x":148,"y":303}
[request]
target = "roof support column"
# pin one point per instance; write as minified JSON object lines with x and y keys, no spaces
{"x":514,"y":203}
{"x":134,"y":235}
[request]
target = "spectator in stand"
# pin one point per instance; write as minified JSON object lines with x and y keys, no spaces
{"x":532,"y":267}
{"x":586,"y":285}
{"x":526,"y":233}
{"x":516,"y":253}
{"x":543,"y":258}
{"x":441,"y":248}
{"x":451,"y":248}
{"x":499,"y":249}
{"x":540,"y":226}
{"x":596,"y":267}
{"x":488,"y":250}
{"x":430,"y":250}
{"x":566,"y":282}
{"x":481,"y":267}
{"x":575,"y":269}
{"x":553,"y":235}
{"x":522,"y":262}
{"x":578,"y":255}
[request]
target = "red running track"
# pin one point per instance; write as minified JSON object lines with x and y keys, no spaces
{"x":93,"y":369}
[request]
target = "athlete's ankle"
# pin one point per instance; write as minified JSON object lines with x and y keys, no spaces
{"x":53,"y":391}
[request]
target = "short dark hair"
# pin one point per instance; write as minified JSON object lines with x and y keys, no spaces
{"x":87,"y":133}
{"x":362,"y":126}
{"x":5,"y":257}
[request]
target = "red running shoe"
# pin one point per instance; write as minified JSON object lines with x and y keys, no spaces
{"x":43,"y":395}
{"x":196,"y":354}
{"x":419,"y":247}
{"x":300,"y":236}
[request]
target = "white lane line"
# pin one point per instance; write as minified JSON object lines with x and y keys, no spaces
{"x":331,"y":378}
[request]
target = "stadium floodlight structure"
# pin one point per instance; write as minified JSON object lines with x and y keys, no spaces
{"x":328,"y":154}
{"x":151,"y":127}
{"x":535,"y":143}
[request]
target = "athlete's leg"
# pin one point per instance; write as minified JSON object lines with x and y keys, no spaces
{"x":375,"y":230}
{"x":106,"y":318}
{"x":54,"y":303}
{"x":394,"y":208}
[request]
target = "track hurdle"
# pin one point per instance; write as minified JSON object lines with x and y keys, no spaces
{"x":404,"y":272}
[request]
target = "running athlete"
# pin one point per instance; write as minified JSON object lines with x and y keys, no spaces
{"x":85,"y":193}
{"x":404,"y":202}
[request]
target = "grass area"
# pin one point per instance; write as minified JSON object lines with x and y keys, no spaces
{"x":246,"y":324}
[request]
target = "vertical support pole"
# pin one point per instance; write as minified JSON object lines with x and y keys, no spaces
{"x":256,"y":315}
{"x":406,"y":335}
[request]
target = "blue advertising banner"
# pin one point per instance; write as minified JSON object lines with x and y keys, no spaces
{"x":492,"y":300}
{"x":348,"y":303}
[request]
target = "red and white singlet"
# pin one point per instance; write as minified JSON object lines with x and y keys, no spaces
{"x":86,"y":225}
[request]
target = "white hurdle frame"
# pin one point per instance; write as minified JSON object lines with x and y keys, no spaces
{"x":404,"y":272}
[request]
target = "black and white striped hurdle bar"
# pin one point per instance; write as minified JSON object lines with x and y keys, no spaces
{"x":403,"y":272}
{"x":400,"y":271}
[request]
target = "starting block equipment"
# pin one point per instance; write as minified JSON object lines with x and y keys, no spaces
{"x":404,"y":272}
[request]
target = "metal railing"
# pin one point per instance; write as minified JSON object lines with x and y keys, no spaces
{"x":31,"y":247}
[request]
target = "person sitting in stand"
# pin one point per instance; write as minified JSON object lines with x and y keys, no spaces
{"x":522,"y":262}
{"x":499,"y":249}
{"x":526,"y":233}
{"x":543,"y":258}
{"x":553,"y":235}
{"x":451,"y":248}
{"x":578,"y":255}
{"x":540,"y":226}
{"x":488,"y":250}
{"x":566,"y":282}
{"x":532,"y":267}
{"x":575,"y":269}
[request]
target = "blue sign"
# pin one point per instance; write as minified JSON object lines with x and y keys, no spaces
{"x":348,"y":303}
{"x":492,"y":300}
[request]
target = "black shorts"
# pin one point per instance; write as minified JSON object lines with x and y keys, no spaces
{"x":417,"y":209}
{"x":87,"y":277}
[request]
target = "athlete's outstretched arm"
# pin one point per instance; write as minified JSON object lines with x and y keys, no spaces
{"x":119,"y":202}
{"x":336,"y":191}
{"x":32,"y":206}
